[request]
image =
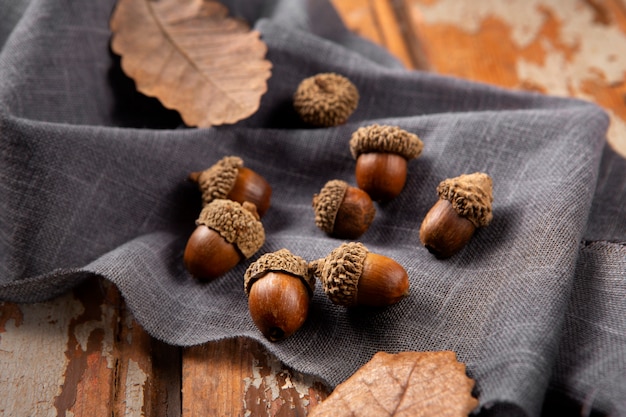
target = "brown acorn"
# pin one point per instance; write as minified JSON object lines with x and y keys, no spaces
{"x":351,"y":275}
{"x":381,"y":154}
{"x":226,"y":233}
{"x":343,"y":211}
{"x":326,"y":99}
{"x":229,"y":179}
{"x":464,"y":205}
{"x":279,"y":288}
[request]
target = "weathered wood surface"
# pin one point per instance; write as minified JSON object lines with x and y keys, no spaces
{"x":237,"y":377}
{"x":573,"y":48}
{"x":388,"y":23}
{"x":83,"y":355}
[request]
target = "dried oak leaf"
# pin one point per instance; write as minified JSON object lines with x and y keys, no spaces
{"x":190,"y":55}
{"x":408,"y":384}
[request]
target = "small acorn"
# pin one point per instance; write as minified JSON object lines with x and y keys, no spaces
{"x":381,"y":154}
{"x":326,"y":99}
{"x":226,"y":233}
{"x":229,"y":179}
{"x":464,"y":205}
{"x":279,"y":288}
{"x":343,"y":211}
{"x":351,"y":275}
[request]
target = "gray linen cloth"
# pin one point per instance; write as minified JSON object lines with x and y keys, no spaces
{"x":93,"y":183}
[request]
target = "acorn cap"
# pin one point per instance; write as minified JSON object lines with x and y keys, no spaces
{"x":326,"y":99}
{"x":217,"y":181}
{"x":471,"y":196}
{"x":385,"y":139}
{"x":326,"y":204}
{"x":280,"y":261}
{"x":237,"y":224}
{"x":340,"y":272}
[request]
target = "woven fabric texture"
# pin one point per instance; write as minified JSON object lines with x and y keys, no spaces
{"x":93,"y":183}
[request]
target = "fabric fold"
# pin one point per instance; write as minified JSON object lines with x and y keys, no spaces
{"x":94,"y":184}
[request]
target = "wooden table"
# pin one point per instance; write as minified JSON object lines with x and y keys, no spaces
{"x":83,"y":354}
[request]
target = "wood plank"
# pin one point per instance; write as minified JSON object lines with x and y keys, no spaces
{"x":147,"y":371}
{"x":33,"y":341}
{"x":82,"y":354}
{"x":567,"y":48}
{"x":377,"y":21}
{"x":238,"y":377}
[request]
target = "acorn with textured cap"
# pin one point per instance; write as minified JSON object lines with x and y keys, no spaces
{"x":226,"y":233}
{"x":230,"y":179}
{"x":464,"y":205}
{"x":326,"y":99}
{"x":279,"y":288}
{"x":351,"y":275}
{"x":343,"y":211}
{"x":381,"y":154}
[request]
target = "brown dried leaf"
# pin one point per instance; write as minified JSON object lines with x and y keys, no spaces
{"x":407,"y":384}
{"x":191,"y":56}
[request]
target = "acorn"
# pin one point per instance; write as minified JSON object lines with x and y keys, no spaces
{"x":464,"y":205}
{"x":343,"y":211}
{"x":229,"y":179}
{"x":351,"y":275}
{"x":226,"y":233}
{"x":326,"y":99}
{"x":279,"y":288}
{"x":381,"y":154}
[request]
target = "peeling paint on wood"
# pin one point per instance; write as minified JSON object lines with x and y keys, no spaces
{"x":250,"y":383}
{"x":135,"y":380}
{"x":568,"y":48}
{"x":148,"y":372}
{"x":83,"y":354}
{"x":279,"y":390}
{"x":89,"y":373}
{"x":32,"y":355}
{"x":71,"y":357}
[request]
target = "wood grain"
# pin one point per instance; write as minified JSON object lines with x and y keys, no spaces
{"x":569,"y":48}
{"x":381,"y":22}
{"x":237,"y":377}
{"x":82,"y":354}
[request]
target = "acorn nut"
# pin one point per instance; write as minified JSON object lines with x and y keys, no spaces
{"x":351,"y":275}
{"x":279,"y":288}
{"x":326,"y":99}
{"x":229,"y":179}
{"x":381,"y":154}
{"x":226,"y":233}
{"x":343,"y":211}
{"x":464,"y":205}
